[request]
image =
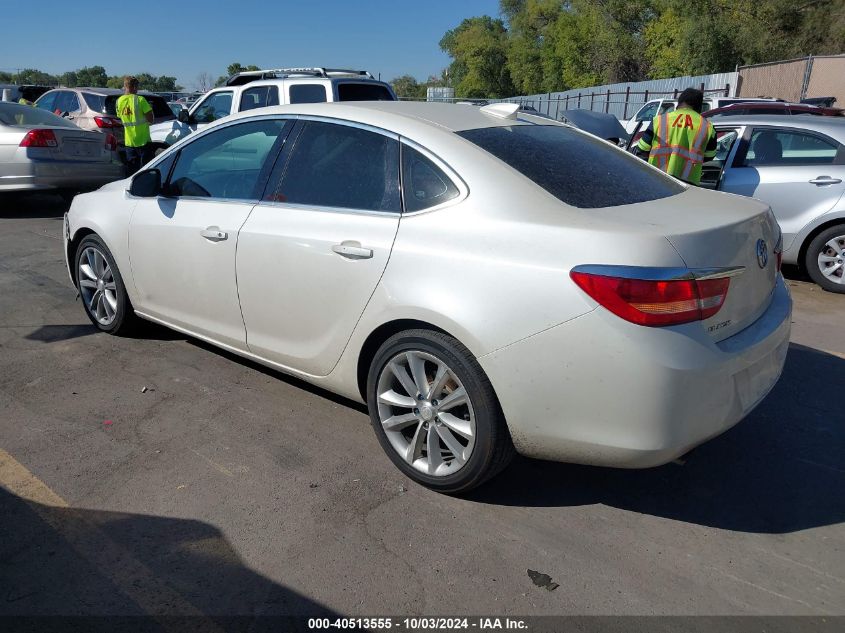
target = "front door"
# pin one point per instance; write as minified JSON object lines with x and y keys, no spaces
{"x":799,"y":173}
{"x":311,"y":254}
{"x":182,"y":246}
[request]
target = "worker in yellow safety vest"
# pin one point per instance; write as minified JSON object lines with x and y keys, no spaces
{"x":679,"y":142}
{"x":23,"y":101}
{"x":136,"y":113}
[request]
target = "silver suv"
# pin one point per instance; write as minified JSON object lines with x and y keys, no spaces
{"x":279,"y":86}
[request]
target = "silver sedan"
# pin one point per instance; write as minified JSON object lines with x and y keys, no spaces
{"x":39,"y":150}
{"x":796,"y":164}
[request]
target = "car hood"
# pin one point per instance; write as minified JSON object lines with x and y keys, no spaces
{"x":599,"y":124}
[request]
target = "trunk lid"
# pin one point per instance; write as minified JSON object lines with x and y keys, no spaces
{"x":717,"y":230}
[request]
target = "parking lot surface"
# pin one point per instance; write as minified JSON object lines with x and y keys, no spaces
{"x":166,"y":477}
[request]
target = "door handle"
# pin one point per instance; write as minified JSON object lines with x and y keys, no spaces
{"x":825,"y":180}
{"x":352,"y":250}
{"x":214,"y":234}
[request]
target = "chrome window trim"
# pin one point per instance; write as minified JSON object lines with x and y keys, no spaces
{"x":649,"y":273}
{"x":347,"y":123}
{"x":324,"y":209}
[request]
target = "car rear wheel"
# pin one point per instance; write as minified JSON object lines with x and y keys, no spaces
{"x":825,"y":259}
{"x":435,"y":413}
{"x":101,"y":288}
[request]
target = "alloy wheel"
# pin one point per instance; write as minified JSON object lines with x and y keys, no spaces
{"x":97,"y":285}
{"x":426,"y":413}
{"x":831,"y":259}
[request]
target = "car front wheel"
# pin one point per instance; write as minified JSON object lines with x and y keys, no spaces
{"x":825,"y":259}
{"x":435,"y":412}
{"x":101,"y":287}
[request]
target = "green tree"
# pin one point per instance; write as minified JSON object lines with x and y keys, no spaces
{"x":33,"y":76}
{"x":478,"y":48}
{"x":93,"y":76}
{"x":406,"y":87}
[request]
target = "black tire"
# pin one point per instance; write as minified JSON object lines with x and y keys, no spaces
{"x":125,"y":320}
{"x":818,"y":247}
{"x":492,"y":450}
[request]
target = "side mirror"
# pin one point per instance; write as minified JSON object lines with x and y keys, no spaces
{"x":184,"y":116}
{"x":146,"y":184}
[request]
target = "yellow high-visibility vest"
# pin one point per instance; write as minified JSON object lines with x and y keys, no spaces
{"x":132,"y":109}
{"x":679,"y":143}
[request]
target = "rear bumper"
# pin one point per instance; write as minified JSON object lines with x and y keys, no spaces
{"x":33,"y":176}
{"x":599,"y":390}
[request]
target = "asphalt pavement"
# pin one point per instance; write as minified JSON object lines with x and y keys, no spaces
{"x":159,"y":475}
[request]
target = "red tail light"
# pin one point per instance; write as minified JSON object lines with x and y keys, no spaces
{"x":655,"y":303}
{"x":39,"y":138}
{"x":111,"y":142}
{"x":107,"y":122}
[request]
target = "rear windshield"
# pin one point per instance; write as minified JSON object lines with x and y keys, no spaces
{"x":28,"y":116}
{"x":579,"y":169}
{"x":363,"y":92}
{"x":108,"y":105}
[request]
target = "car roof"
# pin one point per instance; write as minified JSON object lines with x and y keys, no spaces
{"x":106,"y":92}
{"x":834,"y":126}
{"x":397,"y":116}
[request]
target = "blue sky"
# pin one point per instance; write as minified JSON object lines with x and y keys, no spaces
{"x":185,"y":38}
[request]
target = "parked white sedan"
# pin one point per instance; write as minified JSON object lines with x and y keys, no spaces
{"x":485,"y":280}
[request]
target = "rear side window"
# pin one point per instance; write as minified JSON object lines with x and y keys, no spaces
{"x":259,"y":97}
{"x":351,"y":91}
{"x":159,"y":105}
{"x":108,"y":105}
{"x":340,"y":166}
{"x":773,"y":148}
{"x":424,"y":184}
{"x":308,"y":93}
{"x":578,"y":169}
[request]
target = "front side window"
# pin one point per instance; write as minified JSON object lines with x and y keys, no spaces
{"x":725,"y":140}
{"x":308,"y":93}
{"x":340,"y":166}
{"x":772,"y":148}
{"x":648,"y":112}
{"x":424,"y":184}
{"x":214,"y":107}
{"x":226,"y":163}
{"x":577,"y":168}
{"x":259,"y":97}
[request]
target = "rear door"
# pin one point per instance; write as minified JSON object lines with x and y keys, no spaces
{"x":800,"y":173}
{"x":182,"y":247}
{"x":312,"y":252}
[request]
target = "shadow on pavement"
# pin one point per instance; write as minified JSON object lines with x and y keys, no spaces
{"x":780,"y":470}
{"x":32,"y":205}
{"x":58,"y":561}
{"x":55,"y":333}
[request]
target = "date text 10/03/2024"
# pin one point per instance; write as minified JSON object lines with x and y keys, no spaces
{"x":418,"y":624}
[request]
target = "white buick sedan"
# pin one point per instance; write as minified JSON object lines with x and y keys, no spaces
{"x":487,"y":281}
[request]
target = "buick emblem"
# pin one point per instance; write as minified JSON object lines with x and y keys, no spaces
{"x":762,"y":253}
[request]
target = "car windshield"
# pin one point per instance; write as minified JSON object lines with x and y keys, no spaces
{"x":577,"y":168}
{"x":28,"y":116}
